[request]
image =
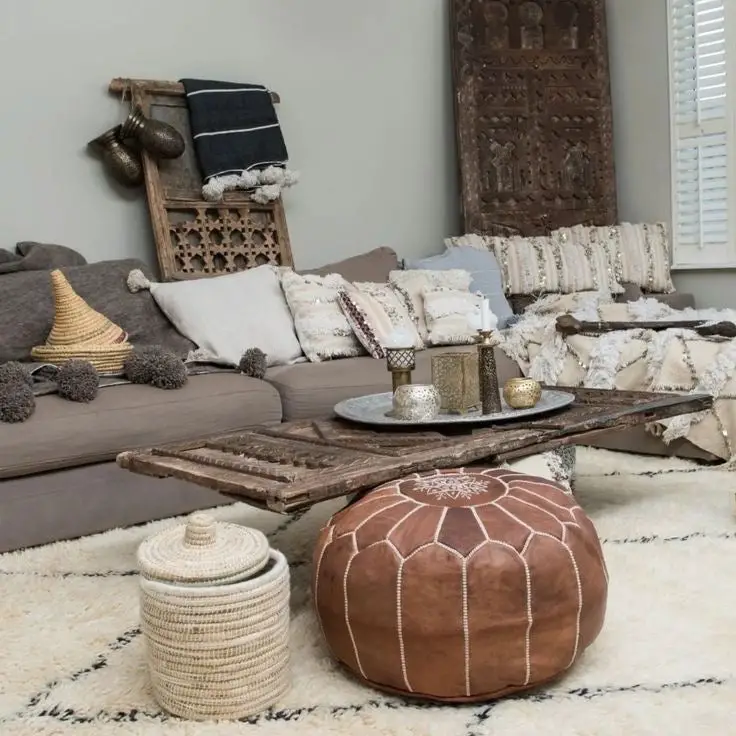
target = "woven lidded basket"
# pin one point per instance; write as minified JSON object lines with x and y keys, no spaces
{"x":215,"y":618}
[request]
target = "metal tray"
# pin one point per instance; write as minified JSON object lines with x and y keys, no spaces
{"x":376,"y":409}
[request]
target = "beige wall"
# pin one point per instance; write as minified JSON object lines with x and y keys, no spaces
{"x":366,"y":113}
{"x":639,"y":78}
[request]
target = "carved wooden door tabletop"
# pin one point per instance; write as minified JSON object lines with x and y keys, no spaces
{"x":297,"y":464}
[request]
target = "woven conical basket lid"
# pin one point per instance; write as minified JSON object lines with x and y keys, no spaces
{"x":75,"y":322}
{"x":204,"y":552}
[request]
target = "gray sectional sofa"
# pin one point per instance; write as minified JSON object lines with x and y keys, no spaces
{"x":58,"y":478}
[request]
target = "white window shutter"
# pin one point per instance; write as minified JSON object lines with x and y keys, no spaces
{"x":702,"y":94}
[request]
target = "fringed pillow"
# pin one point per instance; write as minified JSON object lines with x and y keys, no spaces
{"x":377,"y":313}
{"x":547,"y":264}
{"x":410,"y":285}
{"x":323,"y":331}
{"x":225,"y":315}
{"x":640,"y":253}
{"x":447,"y":313}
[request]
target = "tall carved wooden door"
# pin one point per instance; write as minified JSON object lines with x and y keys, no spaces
{"x":533,"y":114}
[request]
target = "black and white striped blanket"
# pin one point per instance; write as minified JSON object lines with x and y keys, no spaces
{"x":237,"y":138}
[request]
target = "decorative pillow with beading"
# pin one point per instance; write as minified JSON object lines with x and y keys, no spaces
{"x":353,"y":307}
{"x":411,"y":284}
{"x":323,"y":331}
{"x":387,"y":312}
{"x":547,"y":264}
{"x":448,"y":312}
{"x":640,"y":253}
{"x":377,"y":314}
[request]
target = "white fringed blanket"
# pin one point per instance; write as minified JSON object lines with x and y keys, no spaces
{"x":636,"y":360}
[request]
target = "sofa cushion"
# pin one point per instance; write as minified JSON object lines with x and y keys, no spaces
{"x":65,"y":434}
{"x":27,"y":310}
{"x":310,"y":390}
{"x":375,"y":265}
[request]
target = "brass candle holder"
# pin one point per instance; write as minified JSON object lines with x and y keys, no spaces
{"x":456,"y":377}
{"x":400,"y":363}
{"x":522,"y":393}
{"x":490,"y":397}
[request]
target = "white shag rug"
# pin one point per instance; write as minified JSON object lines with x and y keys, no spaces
{"x":72,"y":657}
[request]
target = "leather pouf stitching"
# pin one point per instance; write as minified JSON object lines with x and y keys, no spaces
{"x":460,"y":585}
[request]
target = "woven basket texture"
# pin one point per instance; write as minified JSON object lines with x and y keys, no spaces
{"x":105,"y":358}
{"x":217,"y":650}
{"x":204,"y":553}
{"x":81,"y":333}
{"x":75,"y":322}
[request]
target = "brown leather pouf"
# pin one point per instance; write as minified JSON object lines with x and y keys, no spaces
{"x":460,"y":585}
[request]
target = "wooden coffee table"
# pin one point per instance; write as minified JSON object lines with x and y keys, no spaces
{"x":297,"y":464}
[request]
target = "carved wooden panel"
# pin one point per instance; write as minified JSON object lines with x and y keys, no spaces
{"x":196,"y":238}
{"x":533,"y":114}
{"x":299,"y":463}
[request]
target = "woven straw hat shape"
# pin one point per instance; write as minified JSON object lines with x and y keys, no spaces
{"x":75,"y":322}
{"x":81,"y":332}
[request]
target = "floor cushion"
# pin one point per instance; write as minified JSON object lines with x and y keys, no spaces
{"x":460,"y":585}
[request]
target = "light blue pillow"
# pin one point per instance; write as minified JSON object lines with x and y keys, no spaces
{"x":482,"y":266}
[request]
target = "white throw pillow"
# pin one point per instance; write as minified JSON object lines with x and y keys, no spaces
{"x":225,"y":315}
{"x":377,"y":315}
{"x":640,"y":253}
{"x":448,"y":315}
{"x":410,"y":285}
{"x":323,"y":330}
{"x":557,"y":263}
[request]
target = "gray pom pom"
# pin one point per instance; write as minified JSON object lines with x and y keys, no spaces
{"x":167,"y":371}
{"x":14,"y":372}
{"x":77,"y":380}
{"x":138,"y":367}
{"x":253,"y":363}
{"x":17,"y":402}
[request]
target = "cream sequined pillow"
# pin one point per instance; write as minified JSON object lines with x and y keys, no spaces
{"x":411,"y":284}
{"x":320,"y":324}
{"x":447,"y":315}
{"x":377,"y":313}
{"x":469,"y":240}
{"x":640,"y":253}
{"x":548,"y":264}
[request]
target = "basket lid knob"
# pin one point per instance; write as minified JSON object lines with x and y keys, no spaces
{"x":200,"y":531}
{"x":204,"y":552}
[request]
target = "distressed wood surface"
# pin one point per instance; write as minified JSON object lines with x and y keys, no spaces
{"x":299,"y":463}
{"x":533,"y":114}
{"x":195,"y":238}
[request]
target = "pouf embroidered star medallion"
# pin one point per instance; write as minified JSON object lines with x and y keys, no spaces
{"x":460,"y":585}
